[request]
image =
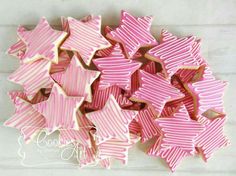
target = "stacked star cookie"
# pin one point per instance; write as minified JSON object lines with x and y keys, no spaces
{"x":106,"y":93}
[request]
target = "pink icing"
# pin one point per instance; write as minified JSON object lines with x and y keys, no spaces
{"x":26,"y":119}
{"x":33,"y":77}
{"x":133,"y":33}
{"x":111,"y":121}
{"x":41,"y":42}
{"x":59,"y":110}
{"x":155,"y":90}
{"x":116,"y":69}
{"x":173,"y":53}
{"x":76,"y":80}
{"x":212,"y":138}
{"x":85,"y":38}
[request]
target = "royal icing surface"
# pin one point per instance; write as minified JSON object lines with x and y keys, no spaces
{"x":133,"y":33}
{"x":59,"y":110}
{"x":173,"y":53}
{"x":111,"y":121}
{"x":85,"y":38}
{"x":155,"y":90}
{"x":76,"y":80}
{"x":116,"y":69}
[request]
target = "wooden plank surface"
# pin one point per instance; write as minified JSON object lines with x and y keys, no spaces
{"x":214,"y":21}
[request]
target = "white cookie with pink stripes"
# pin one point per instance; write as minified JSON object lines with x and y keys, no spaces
{"x":85,"y":38}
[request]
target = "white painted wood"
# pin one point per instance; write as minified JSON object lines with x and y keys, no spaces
{"x":214,"y":21}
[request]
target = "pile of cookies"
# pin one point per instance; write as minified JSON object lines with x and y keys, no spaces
{"x":106,"y":92}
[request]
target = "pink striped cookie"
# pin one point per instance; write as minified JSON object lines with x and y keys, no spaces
{"x":111,"y":121}
{"x":135,"y":128}
{"x":173,"y":53}
{"x":133,"y":33}
{"x":76,"y":80}
{"x":100,"y":97}
{"x":116,"y":69}
{"x":155,"y":90}
{"x":41,"y":42}
{"x":106,"y":52}
{"x":179,"y":130}
{"x":59,"y":110}
{"x":208,"y":93}
{"x":212,"y":138}
{"x":116,"y":148}
{"x":26,"y":119}
{"x":85,"y":38}
{"x":33,"y":77}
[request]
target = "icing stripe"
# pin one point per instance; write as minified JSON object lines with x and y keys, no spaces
{"x":155,"y":90}
{"x":85,"y":38}
{"x":33,"y":77}
{"x":111,"y":121}
{"x":116,"y":69}
{"x":133,"y":33}
{"x":173,"y":53}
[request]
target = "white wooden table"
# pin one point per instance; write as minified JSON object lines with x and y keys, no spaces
{"x":214,"y":21}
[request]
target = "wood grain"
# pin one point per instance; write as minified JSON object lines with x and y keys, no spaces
{"x":214,"y":21}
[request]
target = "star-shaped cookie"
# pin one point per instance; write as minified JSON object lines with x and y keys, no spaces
{"x":33,"y":77}
{"x":111,"y":121}
{"x":173,"y":53}
{"x":41,"y":42}
{"x":213,"y":137}
{"x":26,"y":119}
{"x":116,"y":69}
{"x":85,"y":38}
{"x":155,"y":90}
{"x":59,"y":110}
{"x":76,"y":80}
{"x":133,"y":33}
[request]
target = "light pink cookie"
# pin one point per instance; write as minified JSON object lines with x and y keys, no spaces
{"x":76,"y":80}
{"x":41,"y":42}
{"x":59,"y":110}
{"x":208,"y":93}
{"x":33,"y":77}
{"x":212,"y":138}
{"x":173,"y":53}
{"x":179,"y":128}
{"x":26,"y":119}
{"x":133,"y":33}
{"x":85,"y":38}
{"x":155,"y":90}
{"x":116,"y":69}
{"x":100,"y":97}
{"x":111,"y":121}
{"x":116,"y":148}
